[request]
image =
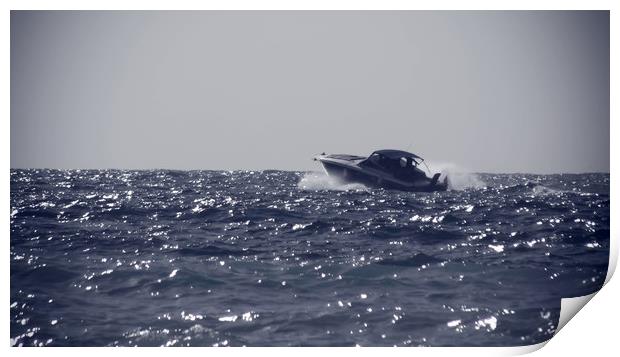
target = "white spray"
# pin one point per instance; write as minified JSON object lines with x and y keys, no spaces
{"x":319,"y":181}
{"x":458,"y":178}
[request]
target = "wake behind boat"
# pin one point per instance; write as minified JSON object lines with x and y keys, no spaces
{"x":390,"y":169}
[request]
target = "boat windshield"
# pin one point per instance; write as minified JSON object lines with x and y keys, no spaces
{"x":409,"y":161}
{"x":376,"y":161}
{"x":391,"y":162}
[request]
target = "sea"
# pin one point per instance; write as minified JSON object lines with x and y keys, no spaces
{"x":282,"y":258}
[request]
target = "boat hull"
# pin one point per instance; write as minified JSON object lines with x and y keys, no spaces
{"x":348,"y":172}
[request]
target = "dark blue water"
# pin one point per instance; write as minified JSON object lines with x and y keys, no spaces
{"x":201,"y":258}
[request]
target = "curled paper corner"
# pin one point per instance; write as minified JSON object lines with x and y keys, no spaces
{"x":569,"y":307}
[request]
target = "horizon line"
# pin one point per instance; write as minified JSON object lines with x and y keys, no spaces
{"x":289,"y":170}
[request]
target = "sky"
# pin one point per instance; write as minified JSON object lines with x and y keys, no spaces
{"x":486,"y":91}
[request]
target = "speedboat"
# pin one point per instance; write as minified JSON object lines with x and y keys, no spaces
{"x":390,"y":169}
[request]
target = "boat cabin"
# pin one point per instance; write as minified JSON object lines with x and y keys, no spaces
{"x":400,"y":164}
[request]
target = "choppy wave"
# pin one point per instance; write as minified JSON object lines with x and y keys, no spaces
{"x":220,"y":258}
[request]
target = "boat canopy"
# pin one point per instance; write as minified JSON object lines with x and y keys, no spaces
{"x":396,"y":154}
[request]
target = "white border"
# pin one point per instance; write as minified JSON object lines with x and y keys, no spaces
{"x":595,"y":330}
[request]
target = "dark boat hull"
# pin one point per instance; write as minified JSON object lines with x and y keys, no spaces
{"x":351,"y":173}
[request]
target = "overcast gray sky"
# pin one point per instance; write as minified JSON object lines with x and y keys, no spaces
{"x":487,"y":91}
